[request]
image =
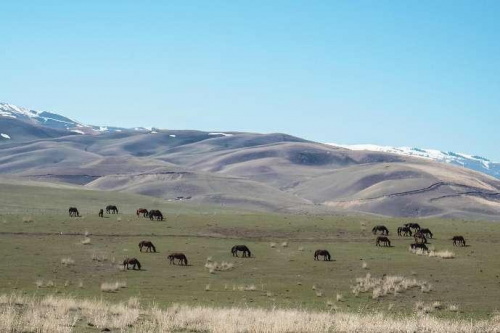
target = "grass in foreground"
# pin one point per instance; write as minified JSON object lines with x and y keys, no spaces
{"x":54,"y":314}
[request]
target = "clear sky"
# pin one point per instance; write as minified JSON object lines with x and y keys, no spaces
{"x":401,"y":73}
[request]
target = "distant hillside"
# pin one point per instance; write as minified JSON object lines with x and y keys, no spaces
{"x":267,"y":172}
{"x":468,"y":161}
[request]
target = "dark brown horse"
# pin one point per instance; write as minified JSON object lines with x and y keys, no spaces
{"x":155,"y":214}
{"x":142,"y":211}
{"x":414,"y":226}
{"x":148,"y":245}
{"x":404,"y":231}
{"x":421,"y":246}
{"x":383,"y":239}
{"x":241,"y":248}
{"x":326,"y":255}
{"x":383,"y":230}
{"x":420,"y":238}
{"x":111,"y":209}
{"x":426,"y":232}
{"x":73,"y":212}
{"x":458,"y":240}
{"x":101,"y":212}
{"x":133,"y":262}
{"x":180,"y":256}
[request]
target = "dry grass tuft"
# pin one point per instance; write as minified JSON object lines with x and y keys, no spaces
{"x":444,"y":254}
{"x":216,"y":267}
{"x":273,"y":245}
{"x":284,"y":244}
{"x":112,"y":287}
{"x":86,"y":241}
{"x":386,"y":285}
{"x":301,"y":248}
{"x":28,"y":219}
{"x":364,"y":265}
{"x":67,"y":261}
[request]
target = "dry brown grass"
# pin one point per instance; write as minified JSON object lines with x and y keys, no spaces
{"x":387,"y":285}
{"x":86,"y":241}
{"x":67,"y":261}
{"x":64,"y":315}
{"x":216,"y":267}
{"x":112,"y":287}
{"x":443,"y":254}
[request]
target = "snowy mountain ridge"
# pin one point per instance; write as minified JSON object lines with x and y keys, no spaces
{"x":54,"y":120}
{"x":473,"y":162}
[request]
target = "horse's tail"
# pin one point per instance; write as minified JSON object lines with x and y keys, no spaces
{"x":185,"y":260}
{"x":116,"y":208}
{"x":233,"y":249}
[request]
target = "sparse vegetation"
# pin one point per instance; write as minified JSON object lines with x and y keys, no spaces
{"x":61,"y":315}
{"x":86,"y":241}
{"x":387,"y":285}
{"x":67,"y":261}
{"x":112,"y":287}
{"x":215,"y":266}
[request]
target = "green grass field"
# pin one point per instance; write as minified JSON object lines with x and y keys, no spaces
{"x":36,"y":233}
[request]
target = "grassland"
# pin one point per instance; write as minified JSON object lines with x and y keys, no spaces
{"x":37,"y":238}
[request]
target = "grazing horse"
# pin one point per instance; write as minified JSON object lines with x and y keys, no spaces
{"x":404,"y":231}
{"x":324,"y":253}
{"x":458,"y":240}
{"x":142,"y":211}
{"x":414,"y":226}
{"x":383,"y":230}
{"x":180,"y":256}
{"x":111,"y":209}
{"x":417,"y":246}
{"x":242,"y":248}
{"x":155,"y":214}
{"x":131,"y":261}
{"x":426,"y":232}
{"x":148,"y":245}
{"x":101,"y":212}
{"x":73,"y":212}
{"x":383,"y":239}
{"x":420,"y":238}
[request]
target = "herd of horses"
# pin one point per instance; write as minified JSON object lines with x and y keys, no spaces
{"x":153,"y":214}
{"x":420,"y":235}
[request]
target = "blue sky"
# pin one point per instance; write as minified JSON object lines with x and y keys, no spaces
{"x":403,"y":73}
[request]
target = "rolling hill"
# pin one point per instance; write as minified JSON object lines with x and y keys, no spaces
{"x":269,"y":172}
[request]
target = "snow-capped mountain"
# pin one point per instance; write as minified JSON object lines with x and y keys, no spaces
{"x":473,"y":162}
{"x":53,"y":120}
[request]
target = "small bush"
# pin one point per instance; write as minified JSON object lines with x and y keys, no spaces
{"x":28,"y":219}
{"x":67,"y":261}
{"x":111,"y":287}
{"x":222,"y":267}
{"x":86,"y":241}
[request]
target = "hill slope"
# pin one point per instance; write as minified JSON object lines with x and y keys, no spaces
{"x":272,"y":172}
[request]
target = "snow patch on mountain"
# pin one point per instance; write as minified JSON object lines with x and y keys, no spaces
{"x":473,"y":162}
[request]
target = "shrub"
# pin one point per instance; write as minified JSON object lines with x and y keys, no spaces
{"x":67,"y":261}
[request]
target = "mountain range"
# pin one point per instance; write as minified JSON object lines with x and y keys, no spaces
{"x":266,"y":172}
{"x":468,"y":161}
